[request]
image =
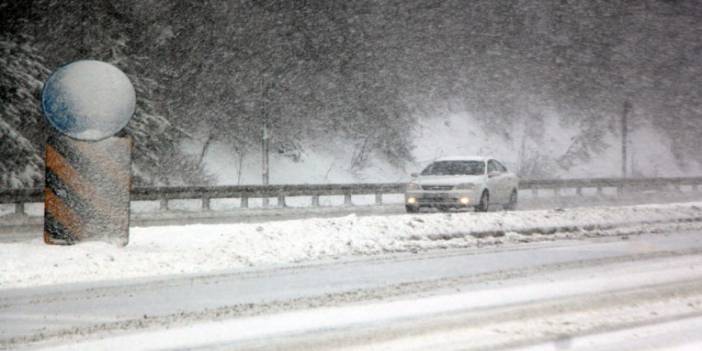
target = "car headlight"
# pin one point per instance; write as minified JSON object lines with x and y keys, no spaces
{"x":465,"y":186}
{"x":413,"y":186}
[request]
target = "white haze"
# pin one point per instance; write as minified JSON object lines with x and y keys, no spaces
{"x":329,"y":160}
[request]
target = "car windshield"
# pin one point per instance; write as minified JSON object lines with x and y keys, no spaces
{"x":455,"y":168}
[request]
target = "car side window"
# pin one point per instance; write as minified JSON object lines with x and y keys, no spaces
{"x":492,"y":167}
{"x":501,"y":167}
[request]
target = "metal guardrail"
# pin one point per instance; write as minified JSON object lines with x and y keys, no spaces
{"x":609,"y":182}
{"x":205,"y":193}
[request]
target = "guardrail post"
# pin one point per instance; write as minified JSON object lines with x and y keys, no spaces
{"x":244,"y":202}
{"x":205,"y":203}
{"x":163,"y":205}
{"x":347,"y":199}
{"x":19,"y":209}
{"x":281,"y":201}
{"x":378,"y":199}
{"x":315,"y":200}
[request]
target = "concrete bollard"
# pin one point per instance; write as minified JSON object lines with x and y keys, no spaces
{"x":88,"y":167}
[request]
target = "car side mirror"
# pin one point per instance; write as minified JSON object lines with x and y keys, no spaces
{"x":493,"y":174}
{"x":414,"y":175}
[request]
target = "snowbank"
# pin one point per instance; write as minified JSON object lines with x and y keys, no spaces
{"x":167,"y":250}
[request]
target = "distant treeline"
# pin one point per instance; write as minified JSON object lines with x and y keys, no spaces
{"x":364,"y":71}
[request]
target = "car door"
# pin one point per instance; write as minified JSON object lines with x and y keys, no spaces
{"x":494,"y":182}
{"x":507,"y":182}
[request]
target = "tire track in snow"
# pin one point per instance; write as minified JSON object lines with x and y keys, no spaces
{"x":391,"y":291}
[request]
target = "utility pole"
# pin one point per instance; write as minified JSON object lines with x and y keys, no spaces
{"x":264,"y":143}
{"x":264,"y":149}
{"x":625,"y":130}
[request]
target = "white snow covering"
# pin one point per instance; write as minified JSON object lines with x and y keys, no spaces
{"x":315,"y":321}
{"x":322,"y":162}
{"x":195,"y":249}
{"x":90,"y":134}
{"x":462,"y":134}
{"x":96,"y":94}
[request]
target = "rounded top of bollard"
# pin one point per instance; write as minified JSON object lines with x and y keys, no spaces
{"x":88,"y":100}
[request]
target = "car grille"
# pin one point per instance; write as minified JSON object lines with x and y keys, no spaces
{"x":437,"y":187}
{"x":434,"y":199}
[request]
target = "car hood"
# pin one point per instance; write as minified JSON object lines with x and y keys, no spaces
{"x":448,"y":180}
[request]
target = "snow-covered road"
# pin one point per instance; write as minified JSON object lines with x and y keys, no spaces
{"x":549,"y":293}
{"x":442,"y":280}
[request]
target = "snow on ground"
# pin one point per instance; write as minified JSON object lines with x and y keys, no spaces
{"x":420,"y":323}
{"x":194,"y":249}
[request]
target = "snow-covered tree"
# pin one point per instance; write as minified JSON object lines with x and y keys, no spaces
{"x":365,"y":71}
{"x":21,"y":78}
{"x":103,"y":30}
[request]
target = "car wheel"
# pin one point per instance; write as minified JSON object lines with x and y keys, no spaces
{"x":411,"y":209}
{"x":484,"y":202}
{"x":512,"y":204}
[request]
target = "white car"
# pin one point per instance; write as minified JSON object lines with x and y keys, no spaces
{"x":462,"y":182}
